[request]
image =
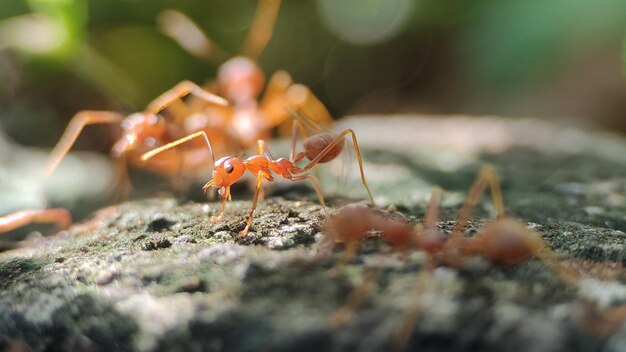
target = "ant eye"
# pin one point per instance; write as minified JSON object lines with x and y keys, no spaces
{"x":229,"y":167}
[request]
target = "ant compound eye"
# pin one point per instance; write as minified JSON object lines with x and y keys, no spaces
{"x":228,"y":167}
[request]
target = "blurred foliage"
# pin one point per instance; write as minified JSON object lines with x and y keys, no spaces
{"x":624,"y":55}
{"x":444,"y":56}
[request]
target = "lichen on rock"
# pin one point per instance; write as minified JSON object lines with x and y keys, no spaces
{"x":158,"y":274}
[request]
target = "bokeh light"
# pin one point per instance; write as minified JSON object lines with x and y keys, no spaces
{"x":365,"y":22}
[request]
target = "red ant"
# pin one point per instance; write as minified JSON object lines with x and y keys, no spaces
{"x":354,"y":222}
{"x":504,"y":240}
{"x":142,"y":131}
{"x":240,"y":80}
{"x":229,"y":169}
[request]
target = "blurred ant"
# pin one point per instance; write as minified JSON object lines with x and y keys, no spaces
{"x":503,"y":241}
{"x":240,"y":80}
{"x":354,"y":222}
{"x":142,"y":131}
{"x":227,"y":170}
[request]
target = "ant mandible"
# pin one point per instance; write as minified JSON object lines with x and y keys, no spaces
{"x":229,"y":169}
{"x":240,"y":80}
{"x":142,"y":131}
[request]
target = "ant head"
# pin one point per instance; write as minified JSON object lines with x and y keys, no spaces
{"x":227,"y":171}
{"x":141,"y":131}
{"x":240,"y":79}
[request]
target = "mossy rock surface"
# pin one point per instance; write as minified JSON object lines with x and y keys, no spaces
{"x":158,"y":275}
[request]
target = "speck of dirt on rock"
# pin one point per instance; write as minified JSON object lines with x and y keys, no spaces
{"x":155,"y":244}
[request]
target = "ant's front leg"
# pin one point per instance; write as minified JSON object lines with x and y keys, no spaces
{"x":75,"y":127}
{"x":259,"y":180}
{"x":224,"y":196}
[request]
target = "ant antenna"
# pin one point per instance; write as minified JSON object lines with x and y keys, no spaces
{"x":163,"y":148}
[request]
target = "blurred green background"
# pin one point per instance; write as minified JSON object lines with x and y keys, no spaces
{"x":546,"y":58}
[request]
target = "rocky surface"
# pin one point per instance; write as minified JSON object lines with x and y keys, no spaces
{"x":157,"y":274}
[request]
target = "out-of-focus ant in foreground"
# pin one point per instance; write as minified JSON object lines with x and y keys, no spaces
{"x":505,"y":240}
{"x":142,"y":131}
{"x":240,"y":80}
{"x":319,"y":148}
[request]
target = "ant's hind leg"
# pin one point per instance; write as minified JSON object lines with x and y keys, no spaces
{"x":316,"y":186}
{"x":332,"y":145}
{"x":487,"y":176}
{"x":73,"y":130}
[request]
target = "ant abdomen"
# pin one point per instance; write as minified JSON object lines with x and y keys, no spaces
{"x":315,"y":145}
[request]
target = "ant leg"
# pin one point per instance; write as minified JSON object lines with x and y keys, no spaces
{"x":224,"y":196}
{"x":122,"y":186}
{"x":275,"y":99}
{"x":432,"y":209}
{"x":349,"y":252}
{"x":311,"y":109}
{"x":344,"y":314}
{"x":262,"y":28}
{"x":179,"y":91}
{"x":316,"y":185}
{"x":259,"y":179}
{"x":403,"y":333}
{"x":73,"y":130}
{"x":487,"y":176}
{"x":297,"y":129}
{"x":61,"y":217}
{"x":263,"y":149}
{"x":331,"y":145}
{"x":491,"y":175}
{"x":190,"y":37}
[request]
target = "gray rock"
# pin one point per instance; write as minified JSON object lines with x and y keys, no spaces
{"x":158,"y":275}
